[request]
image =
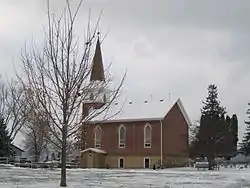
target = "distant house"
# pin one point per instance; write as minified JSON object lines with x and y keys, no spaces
{"x":17,"y":151}
{"x":141,"y":135}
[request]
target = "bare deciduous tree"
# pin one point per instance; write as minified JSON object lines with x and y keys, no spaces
{"x":193,"y":131}
{"x":35,"y":138}
{"x":12,"y":106}
{"x":35,"y":130}
{"x":58,"y":75}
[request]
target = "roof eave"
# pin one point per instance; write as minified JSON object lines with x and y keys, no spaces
{"x":17,"y":148}
{"x":126,"y":120}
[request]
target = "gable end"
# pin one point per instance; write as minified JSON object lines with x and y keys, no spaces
{"x":184,"y":112}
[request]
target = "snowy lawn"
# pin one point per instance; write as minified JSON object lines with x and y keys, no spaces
{"x":167,"y":178}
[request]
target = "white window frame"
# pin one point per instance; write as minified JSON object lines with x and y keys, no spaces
{"x":119,"y":158}
{"x":144,"y":166}
{"x":98,"y":145}
{"x":121,"y":145}
{"x":147,"y":145}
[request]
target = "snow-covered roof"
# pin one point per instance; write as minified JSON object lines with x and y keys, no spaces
{"x":143,"y":110}
{"x":94,"y":150}
{"x":16,"y":147}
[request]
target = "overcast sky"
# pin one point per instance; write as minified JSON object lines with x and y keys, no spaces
{"x":177,"y":46}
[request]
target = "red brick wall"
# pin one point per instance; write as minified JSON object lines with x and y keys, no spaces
{"x":175,"y":133}
{"x":134,"y":138}
{"x":175,"y":136}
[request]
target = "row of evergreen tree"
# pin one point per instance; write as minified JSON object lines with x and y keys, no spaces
{"x":217,"y":134}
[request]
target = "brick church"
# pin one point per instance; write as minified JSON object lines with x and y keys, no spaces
{"x":143,"y":134}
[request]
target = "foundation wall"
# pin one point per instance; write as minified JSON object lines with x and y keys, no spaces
{"x":131,"y":161}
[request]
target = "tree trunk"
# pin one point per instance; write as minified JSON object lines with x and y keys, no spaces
{"x":37,"y":157}
{"x":63,"y":160}
{"x":210,"y":162}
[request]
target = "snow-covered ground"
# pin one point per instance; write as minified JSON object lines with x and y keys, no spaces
{"x":96,"y":178}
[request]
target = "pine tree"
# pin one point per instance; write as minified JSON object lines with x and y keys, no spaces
{"x":213,"y":117}
{"x":211,"y":137}
{"x":5,"y":140}
{"x":245,"y":144}
{"x":224,"y":148}
{"x":232,"y":134}
{"x":212,"y":107}
{"x":234,"y":130}
{"x":228,"y":122}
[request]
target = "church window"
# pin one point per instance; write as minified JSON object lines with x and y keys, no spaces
{"x":98,"y":134}
{"x":147,"y":136}
{"x":122,"y":136}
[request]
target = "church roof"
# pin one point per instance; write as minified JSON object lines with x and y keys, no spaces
{"x":97,"y":71}
{"x":129,"y":111}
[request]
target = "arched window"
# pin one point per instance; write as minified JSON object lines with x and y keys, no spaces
{"x":122,"y":136}
{"x":147,"y":136}
{"x":98,"y":135}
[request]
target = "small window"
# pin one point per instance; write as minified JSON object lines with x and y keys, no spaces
{"x":122,"y":137}
{"x":121,"y":163}
{"x":147,"y":136}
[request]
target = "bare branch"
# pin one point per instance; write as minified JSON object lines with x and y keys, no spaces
{"x":56,"y":80}
{"x":12,"y":106}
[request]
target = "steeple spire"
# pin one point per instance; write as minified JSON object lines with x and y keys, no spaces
{"x":97,"y":72}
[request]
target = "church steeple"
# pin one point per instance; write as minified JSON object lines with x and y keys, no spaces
{"x":98,"y":94}
{"x":97,"y":71}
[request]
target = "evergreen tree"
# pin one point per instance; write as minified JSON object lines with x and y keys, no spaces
{"x":228,"y":122}
{"x":234,"y":130}
{"x":5,"y":140}
{"x":212,"y":107}
{"x":225,"y":138}
{"x":232,"y":134}
{"x":211,"y":138}
{"x":245,"y":144}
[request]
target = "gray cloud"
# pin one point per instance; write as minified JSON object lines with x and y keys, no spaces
{"x":226,"y":14}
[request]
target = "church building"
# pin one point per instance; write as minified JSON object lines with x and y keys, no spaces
{"x":137,"y":134}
